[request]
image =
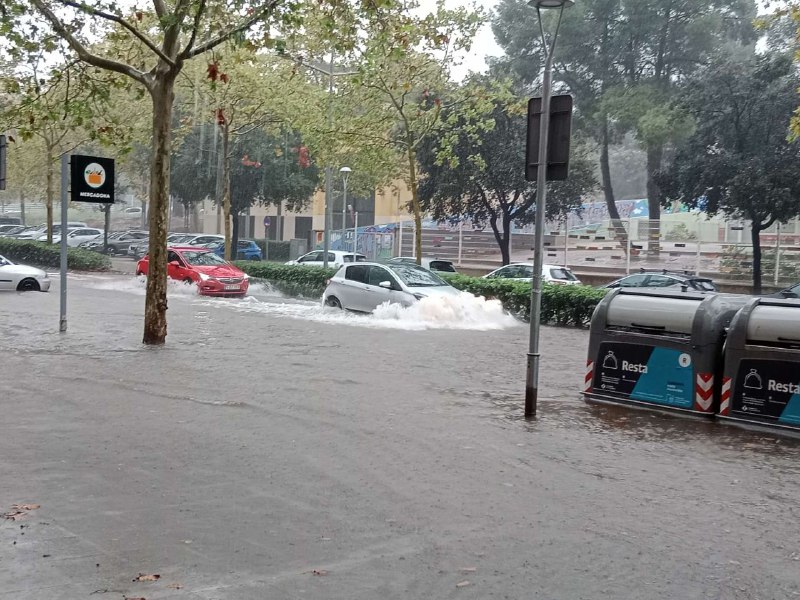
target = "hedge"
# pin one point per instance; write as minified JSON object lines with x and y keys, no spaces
{"x":294,"y":280}
{"x":561,"y":304}
{"x":48,"y":256}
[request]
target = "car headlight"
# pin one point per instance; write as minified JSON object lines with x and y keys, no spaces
{"x":245,"y":276}
{"x":45,"y":276}
{"x":204,"y":277}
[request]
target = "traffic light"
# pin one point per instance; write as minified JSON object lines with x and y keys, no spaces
{"x":557,"y":137}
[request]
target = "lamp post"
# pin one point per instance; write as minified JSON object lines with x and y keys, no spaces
{"x":532,"y":374}
{"x":345,"y":173}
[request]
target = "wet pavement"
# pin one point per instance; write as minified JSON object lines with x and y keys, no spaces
{"x":277,"y":450}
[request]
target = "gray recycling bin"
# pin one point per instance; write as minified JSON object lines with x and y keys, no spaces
{"x":761,"y":376}
{"x":659,"y":348}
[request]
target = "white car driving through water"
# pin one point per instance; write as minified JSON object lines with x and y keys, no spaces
{"x":22,"y":278}
{"x":363,"y":286}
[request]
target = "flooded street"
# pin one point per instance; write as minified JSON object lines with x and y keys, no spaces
{"x":276,"y":449}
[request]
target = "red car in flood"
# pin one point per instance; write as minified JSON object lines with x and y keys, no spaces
{"x":193,"y":264}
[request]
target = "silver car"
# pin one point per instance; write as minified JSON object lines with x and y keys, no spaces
{"x":22,"y":278}
{"x":364,"y":286}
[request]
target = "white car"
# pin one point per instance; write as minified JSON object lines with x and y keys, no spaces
{"x":336,"y":258}
{"x":364,"y":286}
{"x":438,"y":265}
{"x":524,"y":272}
{"x":22,"y":278}
{"x":76,"y":237}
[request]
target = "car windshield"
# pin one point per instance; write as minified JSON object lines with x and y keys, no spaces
{"x":562,"y":274}
{"x":203,"y":259}
{"x":414,"y":276}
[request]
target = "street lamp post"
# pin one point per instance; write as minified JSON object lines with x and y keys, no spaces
{"x":345,"y":173}
{"x":532,"y":374}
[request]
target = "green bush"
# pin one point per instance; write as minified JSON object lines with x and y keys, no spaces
{"x":48,"y":256}
{"x":294,"y":280}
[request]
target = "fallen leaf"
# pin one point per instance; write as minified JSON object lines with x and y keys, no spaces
{"x":144,"y":577}
{"x":462,"y":584}
{"x":175,"y":586}
{"x":25,"y":506}
{"x":319,"y":572}
{"x":15,"y":515}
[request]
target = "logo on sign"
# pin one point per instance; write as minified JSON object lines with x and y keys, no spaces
{"x":633,"y":367}
{"x":94,"y":175}
{"x":785,"y":388}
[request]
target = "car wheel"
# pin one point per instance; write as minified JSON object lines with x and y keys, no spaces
{"x":333,"y":302}
{"x":188,"y":280}
{"x":28,"y":285}
{"x":139,"y":273}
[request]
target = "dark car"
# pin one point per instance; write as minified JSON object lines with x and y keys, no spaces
{"x":118,"y":242}
{"x":665,"y":280}
{"x":790,"y":292}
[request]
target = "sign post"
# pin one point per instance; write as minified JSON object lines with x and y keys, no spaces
{"x":92,"y":180}
{"x":62,"y":321}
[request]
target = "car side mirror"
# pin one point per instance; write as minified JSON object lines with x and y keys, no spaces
{"x":788,"y":294}
{"x":386,"y":284}
{"x":174,"y":263}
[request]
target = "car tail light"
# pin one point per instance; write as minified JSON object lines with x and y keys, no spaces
{"x":327,"y":282}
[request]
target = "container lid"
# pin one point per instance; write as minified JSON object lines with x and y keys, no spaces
{"x":659,"y":312}
{"x":774,"y":321}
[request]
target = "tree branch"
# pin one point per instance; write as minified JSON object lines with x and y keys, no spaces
{"x":195,"y":27}
{"x":161,"y":8}
{"x":241,"y":27}
{"x":83,"y":53}
{"x":122,"y":22}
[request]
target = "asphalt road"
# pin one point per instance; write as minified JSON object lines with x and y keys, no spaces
{"x":276,"y":450}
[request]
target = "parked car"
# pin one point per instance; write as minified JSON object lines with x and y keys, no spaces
{"x":362,"y":287}
{"x":10,"y":230}
{"x":246,"y":250}
{"x":133,"y":211}
{"x":524,"y":272}
{"x":40,"y":232}
{"x":22,"y":278}
{"x":665,"y":280}
{"x":336,"y":258}
{"x":120,"y":244}
{"x":76,"y":237}
{"x":790,"y":292}
{"x":437,"y":265}
{"x":203,"y":238}
{"x":212,"y":275}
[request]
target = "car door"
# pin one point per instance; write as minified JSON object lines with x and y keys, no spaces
{"x":179,"y":271}
{"x":6,"y":279}
{"x":352,"y":289}
{"x":312,"y":259}
{"x":377,"y":295}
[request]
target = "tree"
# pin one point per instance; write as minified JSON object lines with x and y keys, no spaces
{"x":167,"y":37}
{"x":739,"y":162}
{"x":403,"y":70}
{"x":476,"y":170}
{"x":624,"y":63}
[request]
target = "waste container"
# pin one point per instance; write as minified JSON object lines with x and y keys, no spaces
{"x":659,"y":348}
{"x":761,"y":375}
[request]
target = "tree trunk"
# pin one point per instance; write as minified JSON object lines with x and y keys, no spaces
{"x":22,"y":206}
{"x":49,"y":193}
{"x":226,"y":187}
{"x":617,"y":227}
{"x":505,"y":251}
{"x":235,"y":237}
{"x":500,"y":238}
{"x":755,"y":237}
{"x":654,"y":155}
{"x":155,"y":308}
{"x":412,"y":176}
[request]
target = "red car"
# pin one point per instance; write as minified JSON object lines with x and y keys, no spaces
{"x":193,"y":264}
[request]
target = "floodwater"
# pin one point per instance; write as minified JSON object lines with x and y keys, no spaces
{"x":275,"y":448}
